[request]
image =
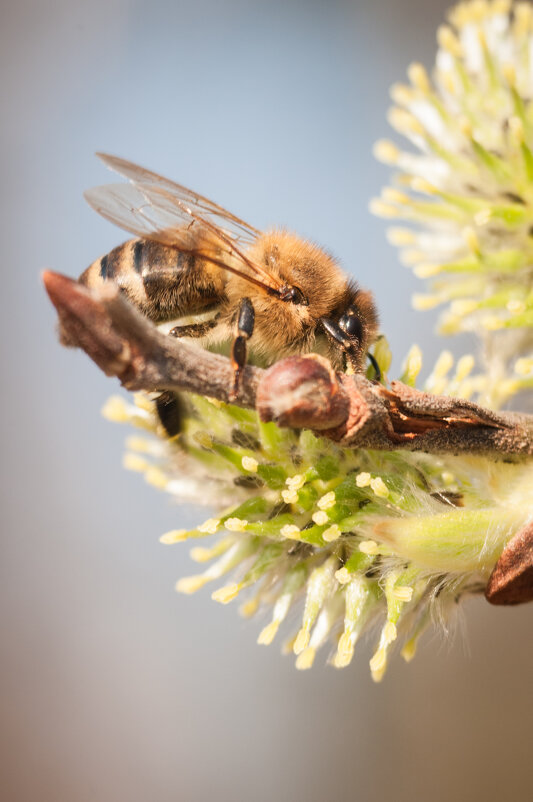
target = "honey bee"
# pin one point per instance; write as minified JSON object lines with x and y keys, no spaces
{"x":271,"y":291}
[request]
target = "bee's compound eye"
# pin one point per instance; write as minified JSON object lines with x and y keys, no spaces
{"x":294,"y":295}
{"x":351,"y":324}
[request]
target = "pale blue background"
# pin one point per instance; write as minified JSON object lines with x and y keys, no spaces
{"x":114,"y":687}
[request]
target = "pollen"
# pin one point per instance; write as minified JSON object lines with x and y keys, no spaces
{"x":289,"y":496}
{"x":327,"y":501}
{"x":210,"y":526}
{"x":363,"y":479}
{"x":403,"y":593}
{"x":369,"y":547}
{"x":295,"y":482}
{"x":290,"y":531}
{"x":379,"y":487}
{"x":235,"y":525}
{"x":332,"y":533}
{"x":320,"y":518}
{"x":250,"y":464}
{"x":343,"y":576}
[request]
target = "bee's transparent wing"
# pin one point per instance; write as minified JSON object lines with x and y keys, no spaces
{"x":151,"y":213}
{"x":241,"y":232}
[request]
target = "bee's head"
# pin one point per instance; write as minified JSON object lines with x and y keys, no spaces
{"x":352,"y":326}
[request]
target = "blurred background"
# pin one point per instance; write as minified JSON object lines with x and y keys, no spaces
{"x":113,"y":687}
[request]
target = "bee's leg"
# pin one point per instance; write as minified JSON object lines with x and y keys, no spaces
{"x":195,"y":329}
{"x":245,"y":329}
{"x":377,"y":369}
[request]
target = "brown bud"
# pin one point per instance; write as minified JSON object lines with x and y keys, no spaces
{"x":302,"y":391}
{"x":511,"y":581}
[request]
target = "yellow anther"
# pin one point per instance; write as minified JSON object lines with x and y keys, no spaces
{"x":379,"y":487}
{"x":302,"y":641}
{"x":174,"y":536}
{"x":155,"y":477}
{"x":199,"y":553}
{"x":369,"y":547}
{"x":363,"y":479}
{"x":401,"y":237}
{"x":382,"y":209}
{"x":226,"y":594}
{"x":115,"y":409}
{"x":343,"y":576}
{"x":250,"y":464}
{"x":378,"y":664}
{"x":404,"y":122}
{"x":447,"y":40}
{"x":268,"y":633}
{"x":306,"y":658}
{"x":134,"y":462}
{"x":190,"y":584}
{"x":249,"y":607}
{"x":402,"y":95}
{"x":289,"y":496}
{"x":418,"y":76}
{"x":327,"y":501}
{"x":290,"y":531}
{"x":209,"y":527}
{"x":235,"y":525}
{"x":393,"y":195}
{"x":390,"y":632}
{"x":443,"y":365}
{"x":295,"y":482}
{"x":421,"y":185}
{"x":386,"y":151}
{"x":426,"y":270}
{"x":403,"y":593}
{"x":425,"y":302}
{"x":331,"y":533}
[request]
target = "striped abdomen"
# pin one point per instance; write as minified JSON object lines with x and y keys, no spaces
{"x":162,"y":282}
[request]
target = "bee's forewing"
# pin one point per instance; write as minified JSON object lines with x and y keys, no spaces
{"x":240,"y":231}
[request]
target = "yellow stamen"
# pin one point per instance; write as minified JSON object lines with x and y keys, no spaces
{"x":226,"y":594}
{"x":174,"y":536}
{"x":250,"y":464}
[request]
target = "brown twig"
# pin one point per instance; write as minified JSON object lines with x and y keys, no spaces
{"x":295,"y":392}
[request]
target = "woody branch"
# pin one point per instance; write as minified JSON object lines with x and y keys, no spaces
{"x":295,"y":392}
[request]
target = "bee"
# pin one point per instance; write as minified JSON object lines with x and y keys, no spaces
{"x":272,"y":292}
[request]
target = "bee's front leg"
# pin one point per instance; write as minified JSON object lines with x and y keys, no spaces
{"x":245,"y":329}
